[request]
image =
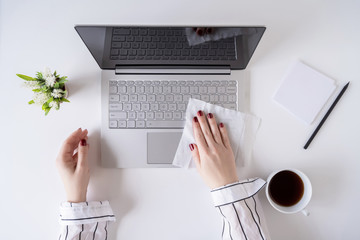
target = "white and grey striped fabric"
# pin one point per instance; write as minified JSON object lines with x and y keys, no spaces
{"x":240,"y":210}
{"x":86,"y":220}
{"x":237,"y":205}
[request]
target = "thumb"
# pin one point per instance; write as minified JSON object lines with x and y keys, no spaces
{"x":195,"y":154}
{"x":83,"y":153}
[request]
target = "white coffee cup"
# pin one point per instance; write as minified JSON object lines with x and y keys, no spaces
{"x":301,"y":204}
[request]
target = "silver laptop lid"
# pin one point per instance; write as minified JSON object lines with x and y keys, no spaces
{"x":150,"y":47}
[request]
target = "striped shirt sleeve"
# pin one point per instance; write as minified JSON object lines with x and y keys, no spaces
{"x":240,"y":210}
{"x":86,"y":220}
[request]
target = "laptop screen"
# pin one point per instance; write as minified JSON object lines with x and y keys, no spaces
{"x":118,"y":46}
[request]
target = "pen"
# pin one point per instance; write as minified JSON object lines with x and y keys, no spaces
{"x":326,"y":115}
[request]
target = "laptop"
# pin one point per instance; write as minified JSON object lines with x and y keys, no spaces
{"x":148,"y":75}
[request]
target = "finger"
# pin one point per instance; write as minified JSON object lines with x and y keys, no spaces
{"x":83,"y":149}
{"x":224,"y":135}
{"x":214,"y":128}
{"x":69,"y":145}
{"x":200,"y":31}
{"x":205,"y":128}
{"x":195,"y":154}
{"x":198,"y":135}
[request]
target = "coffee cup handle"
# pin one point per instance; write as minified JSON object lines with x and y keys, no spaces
{"x":305,"y":212}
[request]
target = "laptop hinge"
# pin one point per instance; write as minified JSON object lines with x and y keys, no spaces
{"x":173,"y":69}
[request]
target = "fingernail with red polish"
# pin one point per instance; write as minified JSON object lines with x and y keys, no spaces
{"x":200,"y":113}
{"x":221,"y":125}
{"x":191,"y":146}
{"x":210,"y":115}
{"x":83,"y":142}
{"x":195,"y":119}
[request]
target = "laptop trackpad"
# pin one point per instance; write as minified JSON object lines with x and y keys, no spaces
{"x":161,"y":147}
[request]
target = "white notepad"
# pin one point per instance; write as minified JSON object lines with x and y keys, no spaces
{"x":304,"y":91}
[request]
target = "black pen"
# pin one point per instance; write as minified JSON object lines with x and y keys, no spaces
{"x":326,"y":115}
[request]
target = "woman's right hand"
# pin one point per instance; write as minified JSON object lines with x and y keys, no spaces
{"x":212,"y":152}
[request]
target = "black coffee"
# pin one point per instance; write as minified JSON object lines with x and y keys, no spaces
{"x":286,"y":188}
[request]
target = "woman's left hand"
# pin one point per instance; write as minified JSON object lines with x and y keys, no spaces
{"x":73,"y":167}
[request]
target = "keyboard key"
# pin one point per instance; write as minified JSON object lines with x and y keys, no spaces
{"x":120,"y":115}
{"x":168,"y":115}
{"x":159,"y":115}
{"x":121,"y":124}
{"x":151,"y":98}
{"x":127,"y":107}
{"x":133,"y":98}
{"x":205,"y":98}
{"x":140,"y":115}
{"x":214,"y":98}
{"x":160,"y":98}
{"x":163,"y":106}
{"x":154,"y":107}
{"x":177,"y":115}
{"x":136,"y":106}
{"x":131,"y":115}
{"x":121,"y":31}
{"x":113,"y":89}
{"x":114,"y":98}
{"x":113,"y":124}
{"x":122,"y":89}
{"x":124,"y":98}
{"x":181,"y":107}
{"x":194,"y":90}
{"x":178,"y":98}
{"x":130,"y":124}
{"x":232,"y":98}
{"x":115,"y":106}
{"x":142,"y":98}
{"x":165,"y":124}
{"x":172,"y":106}
{"x":145,"y":107}
{"x":223,"y":98}
{"x":140,"y":124}
{"x":150,"y":115}
{"x":231,"y":89}
{"x":231,"y":106}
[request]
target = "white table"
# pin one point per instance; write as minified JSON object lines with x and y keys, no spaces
{"x":174,"y":203}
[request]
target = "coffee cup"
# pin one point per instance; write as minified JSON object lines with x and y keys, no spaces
{"x":289,"y":191}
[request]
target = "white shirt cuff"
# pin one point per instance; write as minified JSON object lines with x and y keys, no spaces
{"x":85,"y":212}
{"x":237,"y":191}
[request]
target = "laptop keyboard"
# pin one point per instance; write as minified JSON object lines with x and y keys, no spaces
{"x":162,"y":104}
{"x":144,"y":43}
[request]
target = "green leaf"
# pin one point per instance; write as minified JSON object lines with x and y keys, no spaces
{"x":26,"y":78}
{"x":31,"y":102}
{"x":50,"y":100}
{"x":39,"y":76}
{"x":45,"y":106}
{"x":64,"y":100}
{"x":47,"y":110}
{"x":56,"y":85}
{"x":37,"y":90}
{"x":44,"y":88}
{"x":63,"y":80}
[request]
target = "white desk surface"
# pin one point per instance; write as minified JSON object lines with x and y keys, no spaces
{"x":174,"y":203}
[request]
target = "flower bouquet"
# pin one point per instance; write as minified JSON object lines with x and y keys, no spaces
{"x":49,"y":89}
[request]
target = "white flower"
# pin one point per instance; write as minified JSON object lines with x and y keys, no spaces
{"x":54,"y":104}
{"x":47,"y":72}
{"x":31,"y":84}
{"x":50,"y":81}
{"x":49,"y":77}
{"x":57,"y":93}
{"x":41,"y":98}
